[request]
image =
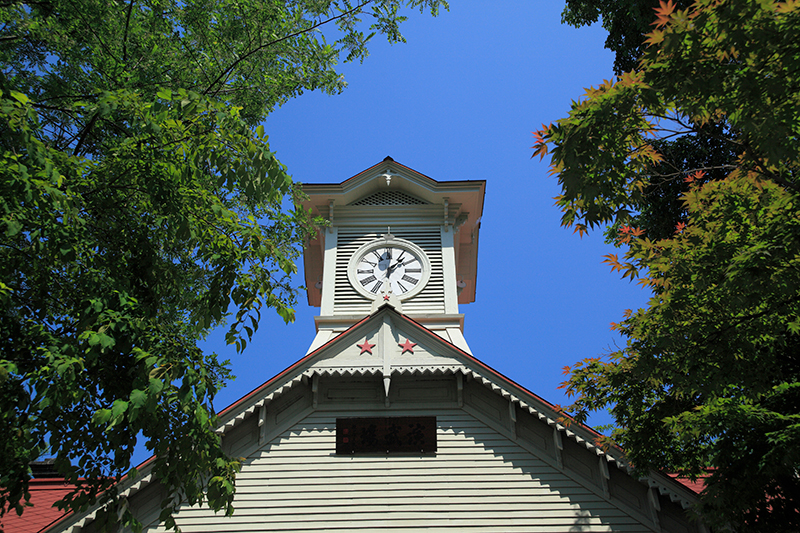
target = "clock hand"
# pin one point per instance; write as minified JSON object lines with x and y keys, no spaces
{"x":399,"y":262}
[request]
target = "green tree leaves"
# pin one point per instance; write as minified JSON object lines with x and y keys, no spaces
{"x":139,"y":204}
{"x":699,"y":147}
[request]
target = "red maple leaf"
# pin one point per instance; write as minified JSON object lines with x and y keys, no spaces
{"x":540,"y":146}
{"x":696,"y":175}
{"x":663,"y":13}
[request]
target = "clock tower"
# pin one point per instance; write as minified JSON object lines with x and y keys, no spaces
{"x":394,"y":237}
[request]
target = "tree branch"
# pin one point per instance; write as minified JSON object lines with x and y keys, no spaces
{"x":125,"y":37}
{"x":225,"y":73}
{"x":84,"y":133}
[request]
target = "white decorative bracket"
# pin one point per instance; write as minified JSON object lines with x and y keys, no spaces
{"x":387,"y":341}
{"x":460,"y":388}
{"x":446,"y":214}
{"x":604,"y":476}
{"x":315,"y":390}
{"x":512,"y":417}
{"x":387,"y":382}
{"x":558,"y":448}
{"x":655,"y":506}
{"x":262,"y":424}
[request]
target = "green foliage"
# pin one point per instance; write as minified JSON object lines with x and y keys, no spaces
{"x":710,"y":375}
{"x":138,"y":204}
{"x":660,"y":207}
{"x":742,"y":74}
{"x":627,"y":23}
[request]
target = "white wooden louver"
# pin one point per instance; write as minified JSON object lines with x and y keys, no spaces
{"x":431,"y":300}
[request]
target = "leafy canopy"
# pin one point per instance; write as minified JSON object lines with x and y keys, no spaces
{"x":138,"y":203}
{"x":710,"y":375}
{"x":627,"y":23}
{"x":660,"y":208}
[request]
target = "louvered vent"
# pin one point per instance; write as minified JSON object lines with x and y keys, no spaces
{"x":430,"y":300}
{"x":389,"y":198}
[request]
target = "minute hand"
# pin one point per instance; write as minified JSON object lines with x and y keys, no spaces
{"x":399,"y":262}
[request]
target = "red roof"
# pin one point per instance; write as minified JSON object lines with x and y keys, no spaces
{"x":44,"y":492}
{"x":696,"y":486}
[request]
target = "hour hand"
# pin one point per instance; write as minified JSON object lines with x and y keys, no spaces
{"x":399,"y":260}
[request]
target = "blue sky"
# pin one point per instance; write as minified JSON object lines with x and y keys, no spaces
{"x":458,"y":101}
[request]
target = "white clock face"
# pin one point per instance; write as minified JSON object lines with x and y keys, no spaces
{"x":392,"y":265}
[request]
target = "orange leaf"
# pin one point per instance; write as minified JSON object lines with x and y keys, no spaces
{"x":613,"y":260}
{"x":696,"y":175}
{"x":663,"y":13}
{"x":540,"y":146}
{"x":786,"y":7}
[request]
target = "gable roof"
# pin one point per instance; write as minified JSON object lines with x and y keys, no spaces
{"x":388,"y":330}
{"x":448,"y":359}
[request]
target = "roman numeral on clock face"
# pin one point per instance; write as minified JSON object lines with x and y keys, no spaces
{"x":409,"y":279}
{"x":414,"y":270}
{"x":369,"y":279}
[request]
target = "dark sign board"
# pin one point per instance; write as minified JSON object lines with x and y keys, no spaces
{"x":409,"y":434}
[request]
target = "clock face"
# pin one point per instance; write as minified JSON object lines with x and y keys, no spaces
{"x":389,"y":264}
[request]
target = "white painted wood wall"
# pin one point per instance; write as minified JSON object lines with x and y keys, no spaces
{"x":482,"y":478}
{"x":477,"y":481}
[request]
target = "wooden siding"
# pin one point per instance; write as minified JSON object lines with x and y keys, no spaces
{"x":479,"y":480}
{"x":349,"y":302}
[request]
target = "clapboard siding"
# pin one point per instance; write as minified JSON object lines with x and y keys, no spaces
{"x":478,"y":480}
{"x":348,"y":301}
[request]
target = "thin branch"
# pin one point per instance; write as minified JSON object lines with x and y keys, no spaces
{"x":736,"y":321}
{"x":690,"y":171}
{"x":84,"y":133}
{"x":9,"y":4}
{"x":225,"y":73}
{"x":125,"y":36}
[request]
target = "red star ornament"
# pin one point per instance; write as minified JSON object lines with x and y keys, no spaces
{"x":407,"y":346}
{"x":386,"y":297}
{"x":366,"y":347}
